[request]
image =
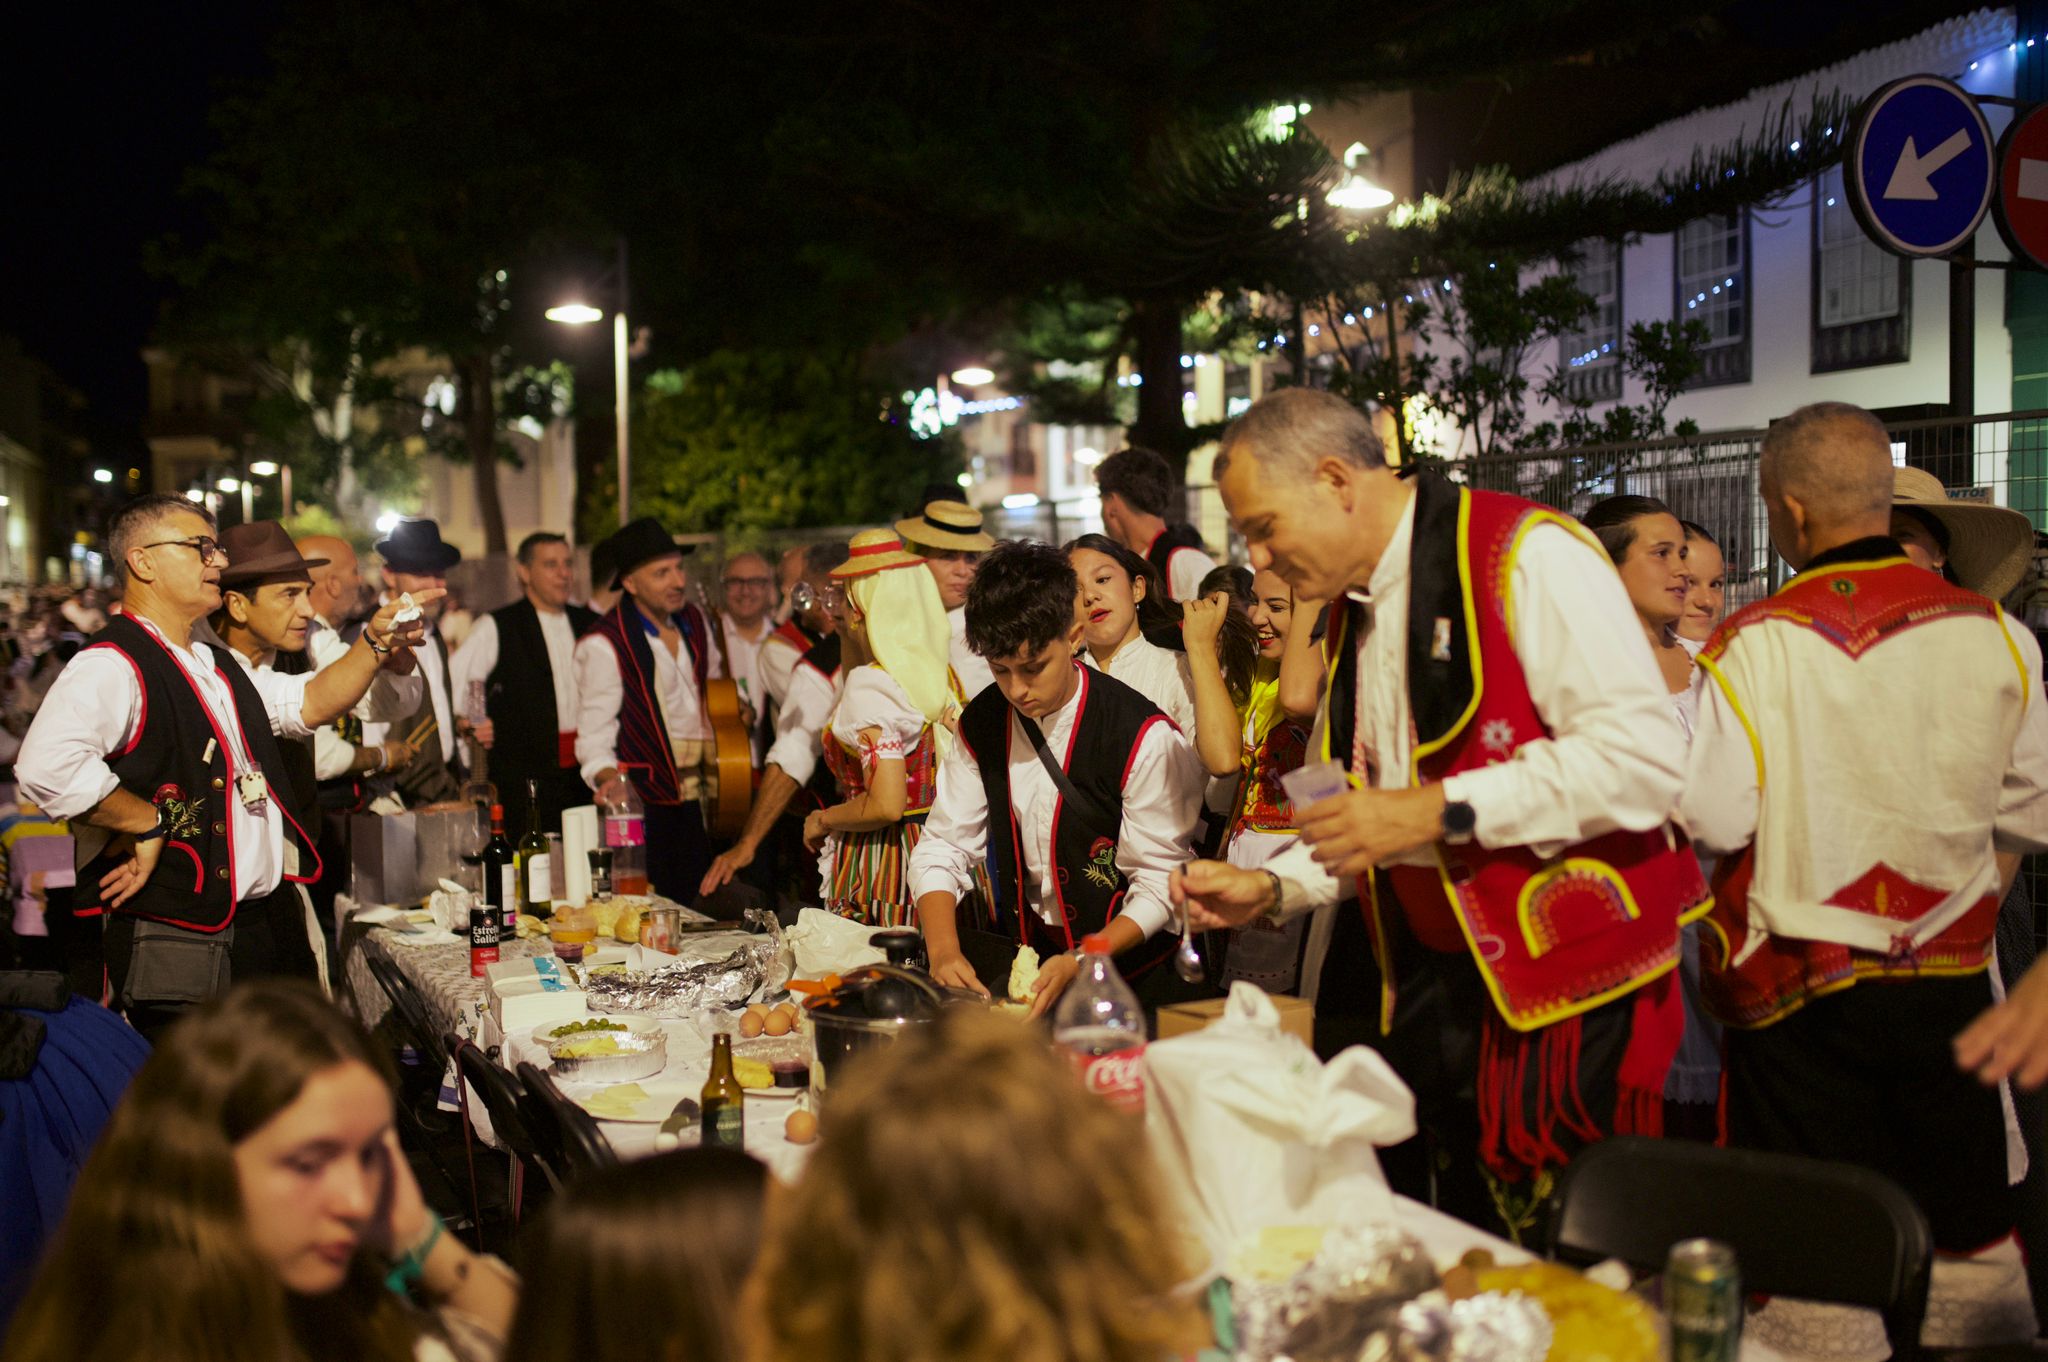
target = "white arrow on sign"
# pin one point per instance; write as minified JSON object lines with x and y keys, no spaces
{"x":1909,"y":176}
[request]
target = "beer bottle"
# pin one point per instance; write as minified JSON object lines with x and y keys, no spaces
{"x":723,"y":1100}
{"x":536,"y":873}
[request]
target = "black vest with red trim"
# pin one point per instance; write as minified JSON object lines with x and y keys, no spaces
{"x":1552,"y":938}
{"x":1168,"y":542}
{"x":644,"y":751}
{"x":1112,"y":721}
{"x":181,"y":761}
{"x":519,"y":694}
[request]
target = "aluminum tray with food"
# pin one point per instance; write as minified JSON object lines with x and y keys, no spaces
{"x":606,"y":1049}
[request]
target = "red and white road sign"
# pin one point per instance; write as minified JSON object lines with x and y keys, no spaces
{"x":2021,"y":204}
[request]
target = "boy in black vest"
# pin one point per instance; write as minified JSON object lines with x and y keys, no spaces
{"x":1138,"y":490}
{"x":1088,"y":849}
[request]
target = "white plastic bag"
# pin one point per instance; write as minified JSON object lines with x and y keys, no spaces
{"x":1251,"y":1130}
{"x":826,"y":943}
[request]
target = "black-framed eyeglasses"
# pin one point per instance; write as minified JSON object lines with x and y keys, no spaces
{"x":758,"y":583}
{"x":205,"y":545}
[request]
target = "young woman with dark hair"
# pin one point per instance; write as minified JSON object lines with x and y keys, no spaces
{"x":249,"y":1203}
{"x":1119,"y":605}
{"x":1647,"y":545}
{"x":1706,"y":602}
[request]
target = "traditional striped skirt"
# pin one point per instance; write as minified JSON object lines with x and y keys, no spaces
{"x":870,"y":876}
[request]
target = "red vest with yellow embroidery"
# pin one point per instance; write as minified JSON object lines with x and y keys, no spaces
{"x":1775,"y":977}
{"x":1552,"y":938}
{"x":920,"y":772}
{"x":1262,"y":803}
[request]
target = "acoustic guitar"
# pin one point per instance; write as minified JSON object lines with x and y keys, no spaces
{"x":732,"y":742}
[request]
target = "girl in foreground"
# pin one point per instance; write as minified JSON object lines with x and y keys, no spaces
{"x":970,"y":1201}
{"x":249,"y":1201}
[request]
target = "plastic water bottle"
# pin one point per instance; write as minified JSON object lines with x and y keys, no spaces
{"x":625,"y":832}
{"x":1099,"y":1023}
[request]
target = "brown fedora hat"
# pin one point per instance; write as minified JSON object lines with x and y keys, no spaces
{"x":1989,"y":546}
{"x":261,"y":552}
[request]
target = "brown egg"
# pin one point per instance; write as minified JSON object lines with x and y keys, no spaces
{"x":751,"y":1024}
{"x":801,"y":1127}
{"x":779,"y":1023}
{"x":758,"y":1010}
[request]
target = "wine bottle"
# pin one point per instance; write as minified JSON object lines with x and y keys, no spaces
{"x":536,"y":868}
{"x":501,"y":873}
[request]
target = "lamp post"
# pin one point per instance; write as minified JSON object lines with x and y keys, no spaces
{"x":582,"y":314}
{"x":264,"y":468}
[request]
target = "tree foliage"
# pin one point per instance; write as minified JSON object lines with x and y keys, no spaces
{"x":743,"y":442}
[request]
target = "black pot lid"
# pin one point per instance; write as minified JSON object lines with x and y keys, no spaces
{"x":881,"y":993}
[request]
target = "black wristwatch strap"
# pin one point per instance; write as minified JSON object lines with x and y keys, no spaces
{"x":159,"y":830}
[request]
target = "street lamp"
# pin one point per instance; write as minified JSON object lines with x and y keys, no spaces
{"x":264,"y":468}
{"x":102,"y":475}
{"x":1355,"y":191}
{"x":579,"y":313}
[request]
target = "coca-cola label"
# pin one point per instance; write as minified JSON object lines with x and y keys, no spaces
{"x":1117,"y":1077}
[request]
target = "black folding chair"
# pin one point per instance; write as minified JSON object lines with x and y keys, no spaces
{"x":510,"y":1119}
{"x":410,"y":1010}
{"x":567,"y":1132}
{"x":1800,"y":1227}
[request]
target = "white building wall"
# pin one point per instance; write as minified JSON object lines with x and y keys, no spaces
{"x":1781,"y":247}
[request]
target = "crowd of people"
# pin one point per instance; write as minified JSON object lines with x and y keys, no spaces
{"x":1499,"y":790}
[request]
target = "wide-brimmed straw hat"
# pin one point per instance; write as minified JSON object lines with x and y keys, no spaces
{"x":951,"y":525}
{"x":873,"y":551}
{"x":1989,"y":547}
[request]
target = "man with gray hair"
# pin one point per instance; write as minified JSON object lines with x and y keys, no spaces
{"x":164,"y":758}
{"x":1499,"y":762}
{"x":1873,"y":736}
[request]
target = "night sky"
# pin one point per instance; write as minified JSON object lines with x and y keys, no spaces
{"x":107,"y":110}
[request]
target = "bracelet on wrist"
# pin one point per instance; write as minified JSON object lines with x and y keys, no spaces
{"x":411,"y":1267}
{"x":1273,"y":909}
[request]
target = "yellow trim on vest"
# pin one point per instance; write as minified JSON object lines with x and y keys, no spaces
{"x":2026,"y":691}
{"x":1571,"y":865}
{"x":1720,"y":935}
{"x":1555,"y":1014}
{"x":1686,"y":919}
{"x":1430,"y":749}
{"x":1531,"y":521}
{"x":1868,"y":566}
{"x":1858,"y":973}
{"x":1756,"y":747}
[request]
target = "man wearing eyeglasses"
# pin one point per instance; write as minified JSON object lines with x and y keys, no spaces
{"x":749,"y":592}
{"x":163,"y":756}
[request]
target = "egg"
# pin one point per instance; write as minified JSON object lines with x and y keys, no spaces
{"x":758,"y":1010}
{"x":801,"y":1127}
{"x":751,"y":1024}
{"x":779,"y":1023}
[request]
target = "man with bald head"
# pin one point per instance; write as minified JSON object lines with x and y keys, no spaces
{"x":1872,"y":736}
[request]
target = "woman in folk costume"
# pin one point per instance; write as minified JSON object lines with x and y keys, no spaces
{"x":886,"y":738}
{"x":1248,"y":734}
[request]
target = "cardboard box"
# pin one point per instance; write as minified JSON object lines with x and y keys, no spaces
{"x":1297,"y":1017}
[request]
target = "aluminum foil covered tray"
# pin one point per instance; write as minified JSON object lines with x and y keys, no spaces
{"x":638,"y":1049}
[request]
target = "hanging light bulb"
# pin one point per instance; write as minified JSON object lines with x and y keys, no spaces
{"x":1355,"y":191}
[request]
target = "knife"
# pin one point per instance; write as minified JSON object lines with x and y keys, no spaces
{"x":682,"y":1118}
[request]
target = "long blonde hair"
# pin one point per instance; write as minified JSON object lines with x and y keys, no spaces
{"x":907,"y":633}
{"x":969,"y":1200}
{"x":154,"y":1259}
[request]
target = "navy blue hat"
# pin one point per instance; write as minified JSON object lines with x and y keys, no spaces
{"x":417,"y":546}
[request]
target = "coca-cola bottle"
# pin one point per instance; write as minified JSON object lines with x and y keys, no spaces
{"x":1098,"y":1021}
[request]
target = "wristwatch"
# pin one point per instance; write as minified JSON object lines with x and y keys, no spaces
{"x":1458,"y":822}
{"x":159,"y":830}
{"x":1279,"y":895}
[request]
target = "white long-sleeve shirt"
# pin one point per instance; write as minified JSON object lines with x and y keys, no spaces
{"x":478,"y":658}
{"x":1185,"y":569}
{"x":775,"y":664}
{"x":1615,"y":757}
{"x":1162,"y":792}
{"x":600,"y":690}
{"x":391,"y":697}
{"x":1159,"y":674}
{"x":800,"y":723}
{"x":93,"y":710}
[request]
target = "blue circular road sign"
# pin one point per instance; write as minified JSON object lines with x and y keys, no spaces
{"x":1920,"y":166}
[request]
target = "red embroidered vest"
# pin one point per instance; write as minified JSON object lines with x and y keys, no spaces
{"x":1853,"y":606}
{"x":1262,"y":803}
{"x":1552,"y":938}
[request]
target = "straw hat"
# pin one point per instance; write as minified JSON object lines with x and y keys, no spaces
{"x":1989,"y":547}
{"x":951,"y":525}
{"x":874,"y":551}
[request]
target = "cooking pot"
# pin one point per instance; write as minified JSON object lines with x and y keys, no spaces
{"x":871,"y":1006}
